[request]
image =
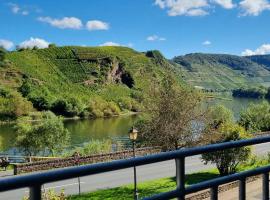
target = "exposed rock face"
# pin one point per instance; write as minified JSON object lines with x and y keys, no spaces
{"x":111,"y":69}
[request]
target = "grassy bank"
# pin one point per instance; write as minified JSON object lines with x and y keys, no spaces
{"x":145,"y":189}
{"x":162,"y":185}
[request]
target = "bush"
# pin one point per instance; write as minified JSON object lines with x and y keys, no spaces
{"x":256,"y":117}
{"x":14,"y":106}
{"x":50,"y":195}
{"x":129,"y":104}
{"x":100,"y":108}
{"x":228,"y":160}
{"x":67,"y":108}
{"x":40,"y":103}
{"x":93,"y":147}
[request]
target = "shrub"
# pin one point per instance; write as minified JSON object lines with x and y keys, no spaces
{"x":50,"y":195}
{"x":256,"y":117}
{"x":68,"y":108}
{"x":93,"y":147}
{"x":100,"y":108}
{"x":228,"y":160}
{"x":14,"y":106}
{"x":40,"y":103}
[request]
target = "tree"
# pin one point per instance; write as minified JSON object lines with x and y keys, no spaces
{"x":174,"y":112}
{"x":219,"y":114}
{"x":2,"y":54}
{"x":47,"y":134}
{"x":228,"y":160}
{"x":256,"y":117}
{"x":52,"y":45}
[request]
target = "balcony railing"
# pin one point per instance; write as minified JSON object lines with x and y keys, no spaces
{"x":35,"y":181}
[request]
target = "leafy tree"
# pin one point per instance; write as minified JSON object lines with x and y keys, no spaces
{"x":47,"y":134}
{"x":68,"y":108}
{"x":40,"y":103}
{"x":52,"y":45}
{"x":173,"y":112}
{"x":228,"y":160}
{"x":218,"y":115}
{"x":256,"y":117}
{"x":2,"y":54}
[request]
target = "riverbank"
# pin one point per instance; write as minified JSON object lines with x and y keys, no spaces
{"x":129,"y":113}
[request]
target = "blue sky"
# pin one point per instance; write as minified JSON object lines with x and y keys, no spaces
{"x":174,"y":27}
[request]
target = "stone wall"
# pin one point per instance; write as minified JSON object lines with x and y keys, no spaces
{"x":74,"y":161}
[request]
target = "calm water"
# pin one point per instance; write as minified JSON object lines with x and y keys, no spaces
{"x":82,"y":131}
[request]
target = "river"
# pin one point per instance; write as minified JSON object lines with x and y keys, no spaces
{"x":83,"y":131}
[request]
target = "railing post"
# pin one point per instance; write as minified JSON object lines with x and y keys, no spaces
{"x":180,"y":177}
{"x":214,"y":193}
{"x":35,"y":192}
{"x":265,"y":186}
{"x":242,"y":189}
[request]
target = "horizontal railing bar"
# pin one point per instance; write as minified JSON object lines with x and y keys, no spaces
{"x":226,"y":179}
{"x":213,"y":183}
{"x":73,"y":172}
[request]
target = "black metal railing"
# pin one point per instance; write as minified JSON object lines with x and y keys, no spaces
{"x":35,"y":181}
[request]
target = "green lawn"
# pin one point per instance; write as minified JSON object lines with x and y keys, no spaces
{"x":150,"y":188}
{"x":145,"y":189}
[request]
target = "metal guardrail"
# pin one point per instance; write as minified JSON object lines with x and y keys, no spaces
{"x":35,"y":181}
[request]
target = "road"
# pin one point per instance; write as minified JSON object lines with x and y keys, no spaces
{"x":122,"y":177}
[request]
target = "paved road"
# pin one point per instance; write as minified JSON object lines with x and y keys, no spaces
{"x":122,"y":177}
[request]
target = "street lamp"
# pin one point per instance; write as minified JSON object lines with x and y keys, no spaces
{"x":133,"y":133}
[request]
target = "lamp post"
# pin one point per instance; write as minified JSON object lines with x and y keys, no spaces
{"x":133,"y":133}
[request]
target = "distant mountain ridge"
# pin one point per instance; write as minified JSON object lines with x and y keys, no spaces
{"x":261,"y":59}
{"x":223,"y":71}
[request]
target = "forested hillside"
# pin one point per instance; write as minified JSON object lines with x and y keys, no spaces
{"x":78,"y":81}
{"x":221,"y":71}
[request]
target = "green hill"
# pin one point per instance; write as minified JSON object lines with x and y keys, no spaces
{"x":221,"y":71}
{"x":78,"y":81}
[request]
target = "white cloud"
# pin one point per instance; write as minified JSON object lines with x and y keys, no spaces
{"x":6,"y":44}
{"x":116,"y":44}
{"x":93,"y":25}
{"x":262,"y":50}
{"x":253,"y":7}
{"x":110,"y":44}
{"x":207,"y":43}
{"x":64,"y":23}
{"x":184,"y":7}
{"x":34,"y":42}
{"x":227,"y":4}
{"x":16,"y":9}
{"x":155,"y":38}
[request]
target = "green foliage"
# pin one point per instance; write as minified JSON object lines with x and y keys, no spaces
{"x":52,"y":45}
{"x":256,"y":117}
{"x":50,"y":195}
{"x":219,"y":115}
{"x":228,"y":160}
{"x":2,"y":54}
{"x":93,"y":147}
{"x":100,"y":108}
{"x":221,"y":72}
{"x":69,"y":108}
{"x":172,"y":111}
{"x":259,"y":92}
{"x":51,"y":77}
{"x":13,"y":105}
{"x":47,"y":134}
